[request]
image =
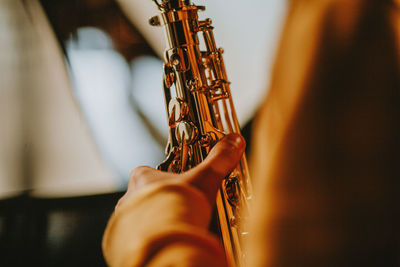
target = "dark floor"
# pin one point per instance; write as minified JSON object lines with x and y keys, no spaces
{"x":54,"y":232}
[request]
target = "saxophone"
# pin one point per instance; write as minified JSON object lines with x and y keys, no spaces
{"x":200,"y":112}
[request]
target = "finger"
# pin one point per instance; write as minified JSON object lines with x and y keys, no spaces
{"x":142,"y":176}
{"x":222,"y":159}
{"x":139,"y":178}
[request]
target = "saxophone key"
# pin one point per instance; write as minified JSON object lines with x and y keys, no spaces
{"x":178,"y":110}
{"x":234,"y":221}
{"x":232,"y":190}
{"x":169,"y":75}
{"x":186,"y":132}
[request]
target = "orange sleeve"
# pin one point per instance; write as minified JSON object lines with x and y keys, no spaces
{"x":163,"y":225}
{"x":326,"y":143}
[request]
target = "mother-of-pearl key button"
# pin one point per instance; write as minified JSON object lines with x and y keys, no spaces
{"x":186,"y":131}
{"x":177,"y":109}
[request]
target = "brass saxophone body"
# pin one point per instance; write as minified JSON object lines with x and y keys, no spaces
{"x":200,"y":112}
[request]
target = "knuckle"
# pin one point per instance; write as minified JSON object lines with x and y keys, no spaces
{"x":139,"y":172}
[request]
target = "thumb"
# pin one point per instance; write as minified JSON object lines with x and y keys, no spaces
{"x":221,"y":160}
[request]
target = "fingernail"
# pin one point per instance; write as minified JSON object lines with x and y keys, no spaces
{"x":235,"y":140}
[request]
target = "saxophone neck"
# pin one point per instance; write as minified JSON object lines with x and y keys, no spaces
{"x":171,"y":4}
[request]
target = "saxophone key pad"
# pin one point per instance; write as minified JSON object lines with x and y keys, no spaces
{"x":186,"y":132}
{"x":177,"y":109}
{"x":169,"y":75}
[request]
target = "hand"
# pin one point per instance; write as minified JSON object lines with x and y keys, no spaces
{"x":206,"y":176}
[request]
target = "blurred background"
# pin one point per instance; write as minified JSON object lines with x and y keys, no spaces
{"x":81,"y":105}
